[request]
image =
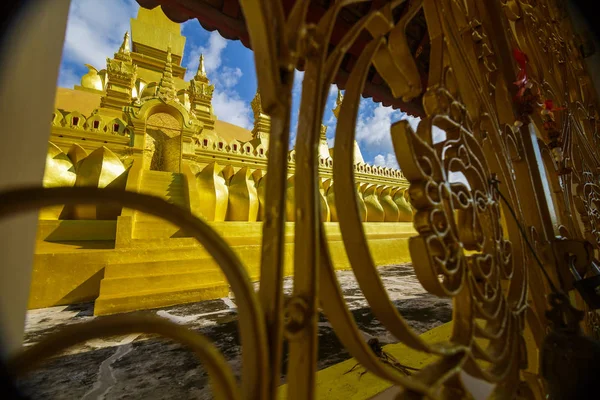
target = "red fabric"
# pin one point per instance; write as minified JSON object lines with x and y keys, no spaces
{"x":520,"y":58}
{"x":549,"y":105}
{"x":521,"y":82}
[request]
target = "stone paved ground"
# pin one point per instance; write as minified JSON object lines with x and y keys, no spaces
{"x":144,"y":366}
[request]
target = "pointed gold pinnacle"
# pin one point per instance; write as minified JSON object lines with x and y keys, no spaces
{"x":338,"y":103}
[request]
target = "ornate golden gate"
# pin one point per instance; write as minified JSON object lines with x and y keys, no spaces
{"x":491,"y":63}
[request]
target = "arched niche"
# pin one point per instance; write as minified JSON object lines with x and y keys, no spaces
{"x":163,"y":142}
{"x":162,"y":127}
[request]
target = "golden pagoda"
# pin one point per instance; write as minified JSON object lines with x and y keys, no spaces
{"x":138,"y":125}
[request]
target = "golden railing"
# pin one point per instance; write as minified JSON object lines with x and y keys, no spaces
{"x":468,"y":248}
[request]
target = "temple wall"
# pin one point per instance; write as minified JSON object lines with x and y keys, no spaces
{"x":160,"y":137}
{"x":71,"y":273}
{"x":216,"y":166}
{"x":171,"y":154}
{"x":80,"y":249}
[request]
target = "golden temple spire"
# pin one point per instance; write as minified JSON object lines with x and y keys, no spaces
{"x":338,"y":103}
{"x":256,"y":104}
{"x":201,"y":74}
{"x":166,"y":86}
{"x":358,"y":158}
{"x":125,"y":45}
{"x":201,"y":92}
{"x":124,"y":53}
{"x":119,"y":79}
{"x":262,"y":122}
{"x":323,"y":132}
{"x":323,"y":145}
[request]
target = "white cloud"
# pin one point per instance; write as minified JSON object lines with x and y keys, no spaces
{"x":68,"y":78}
{"x":437,"y":134}
{"x":412,"y":121}
{"x":389,"y":160}
{"x":298,"y":79}
{"x":212,"y":58}
{"x":95,"y":30}
{"x":379,"y":160}
{"x":231,"y":108}
{"x":229,"y":77}
{"x":227,"y":103}
{"x":458,"y":177}
{"x":212,"y":55}
{"x":374,"y":131}
{"x":296,"y":99}
{"x":333,"y":89}
{"x":331,"y":142}
{"x":193,"y":62}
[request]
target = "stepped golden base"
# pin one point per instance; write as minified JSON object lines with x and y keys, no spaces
{"x":158,"y":270}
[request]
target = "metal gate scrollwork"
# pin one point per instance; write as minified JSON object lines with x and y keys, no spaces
{"x":468,"y":247}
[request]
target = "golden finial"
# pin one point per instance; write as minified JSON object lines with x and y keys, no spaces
{"x":338,"y":103}
{"x":124,"y":49}
{"x":169,"y":59}
{"x":256,"y":104}
{"x":262,"y":122}
{"x":91,"y":80}
{"x":201,"y":74}
{"x":201,"y":69}
{"x":323,"y":132}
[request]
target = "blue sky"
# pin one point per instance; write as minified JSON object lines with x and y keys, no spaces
{"x":95,"y":30}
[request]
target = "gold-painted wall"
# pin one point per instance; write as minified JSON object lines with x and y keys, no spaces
{"x":153,"y":133}
{"x":70,"y":273}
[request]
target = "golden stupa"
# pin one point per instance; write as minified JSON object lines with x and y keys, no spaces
{"x":138,"y":125}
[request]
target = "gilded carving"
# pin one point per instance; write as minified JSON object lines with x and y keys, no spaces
{"x":588,"y":205}
{"x":243,"y":198}
{"x":60,"y":169}
{"x":76,"y":154}
{"x":213,"y":192}
{"x":92,"y":80}
{"x":330,"y":197}
{"x":261,"y":188}
{"x":100,"y":169}
{"x":166,"y":87}
{"x":201,"y":90}
{"x":375,"y":212}
{"x":325,"y":210}
{"x":262,"y":122}
{"x":468,"y":246}
{"x":405,"y":212}
{"x":391,"y":210}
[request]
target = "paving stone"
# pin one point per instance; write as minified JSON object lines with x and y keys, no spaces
{"x":145,"y":366}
